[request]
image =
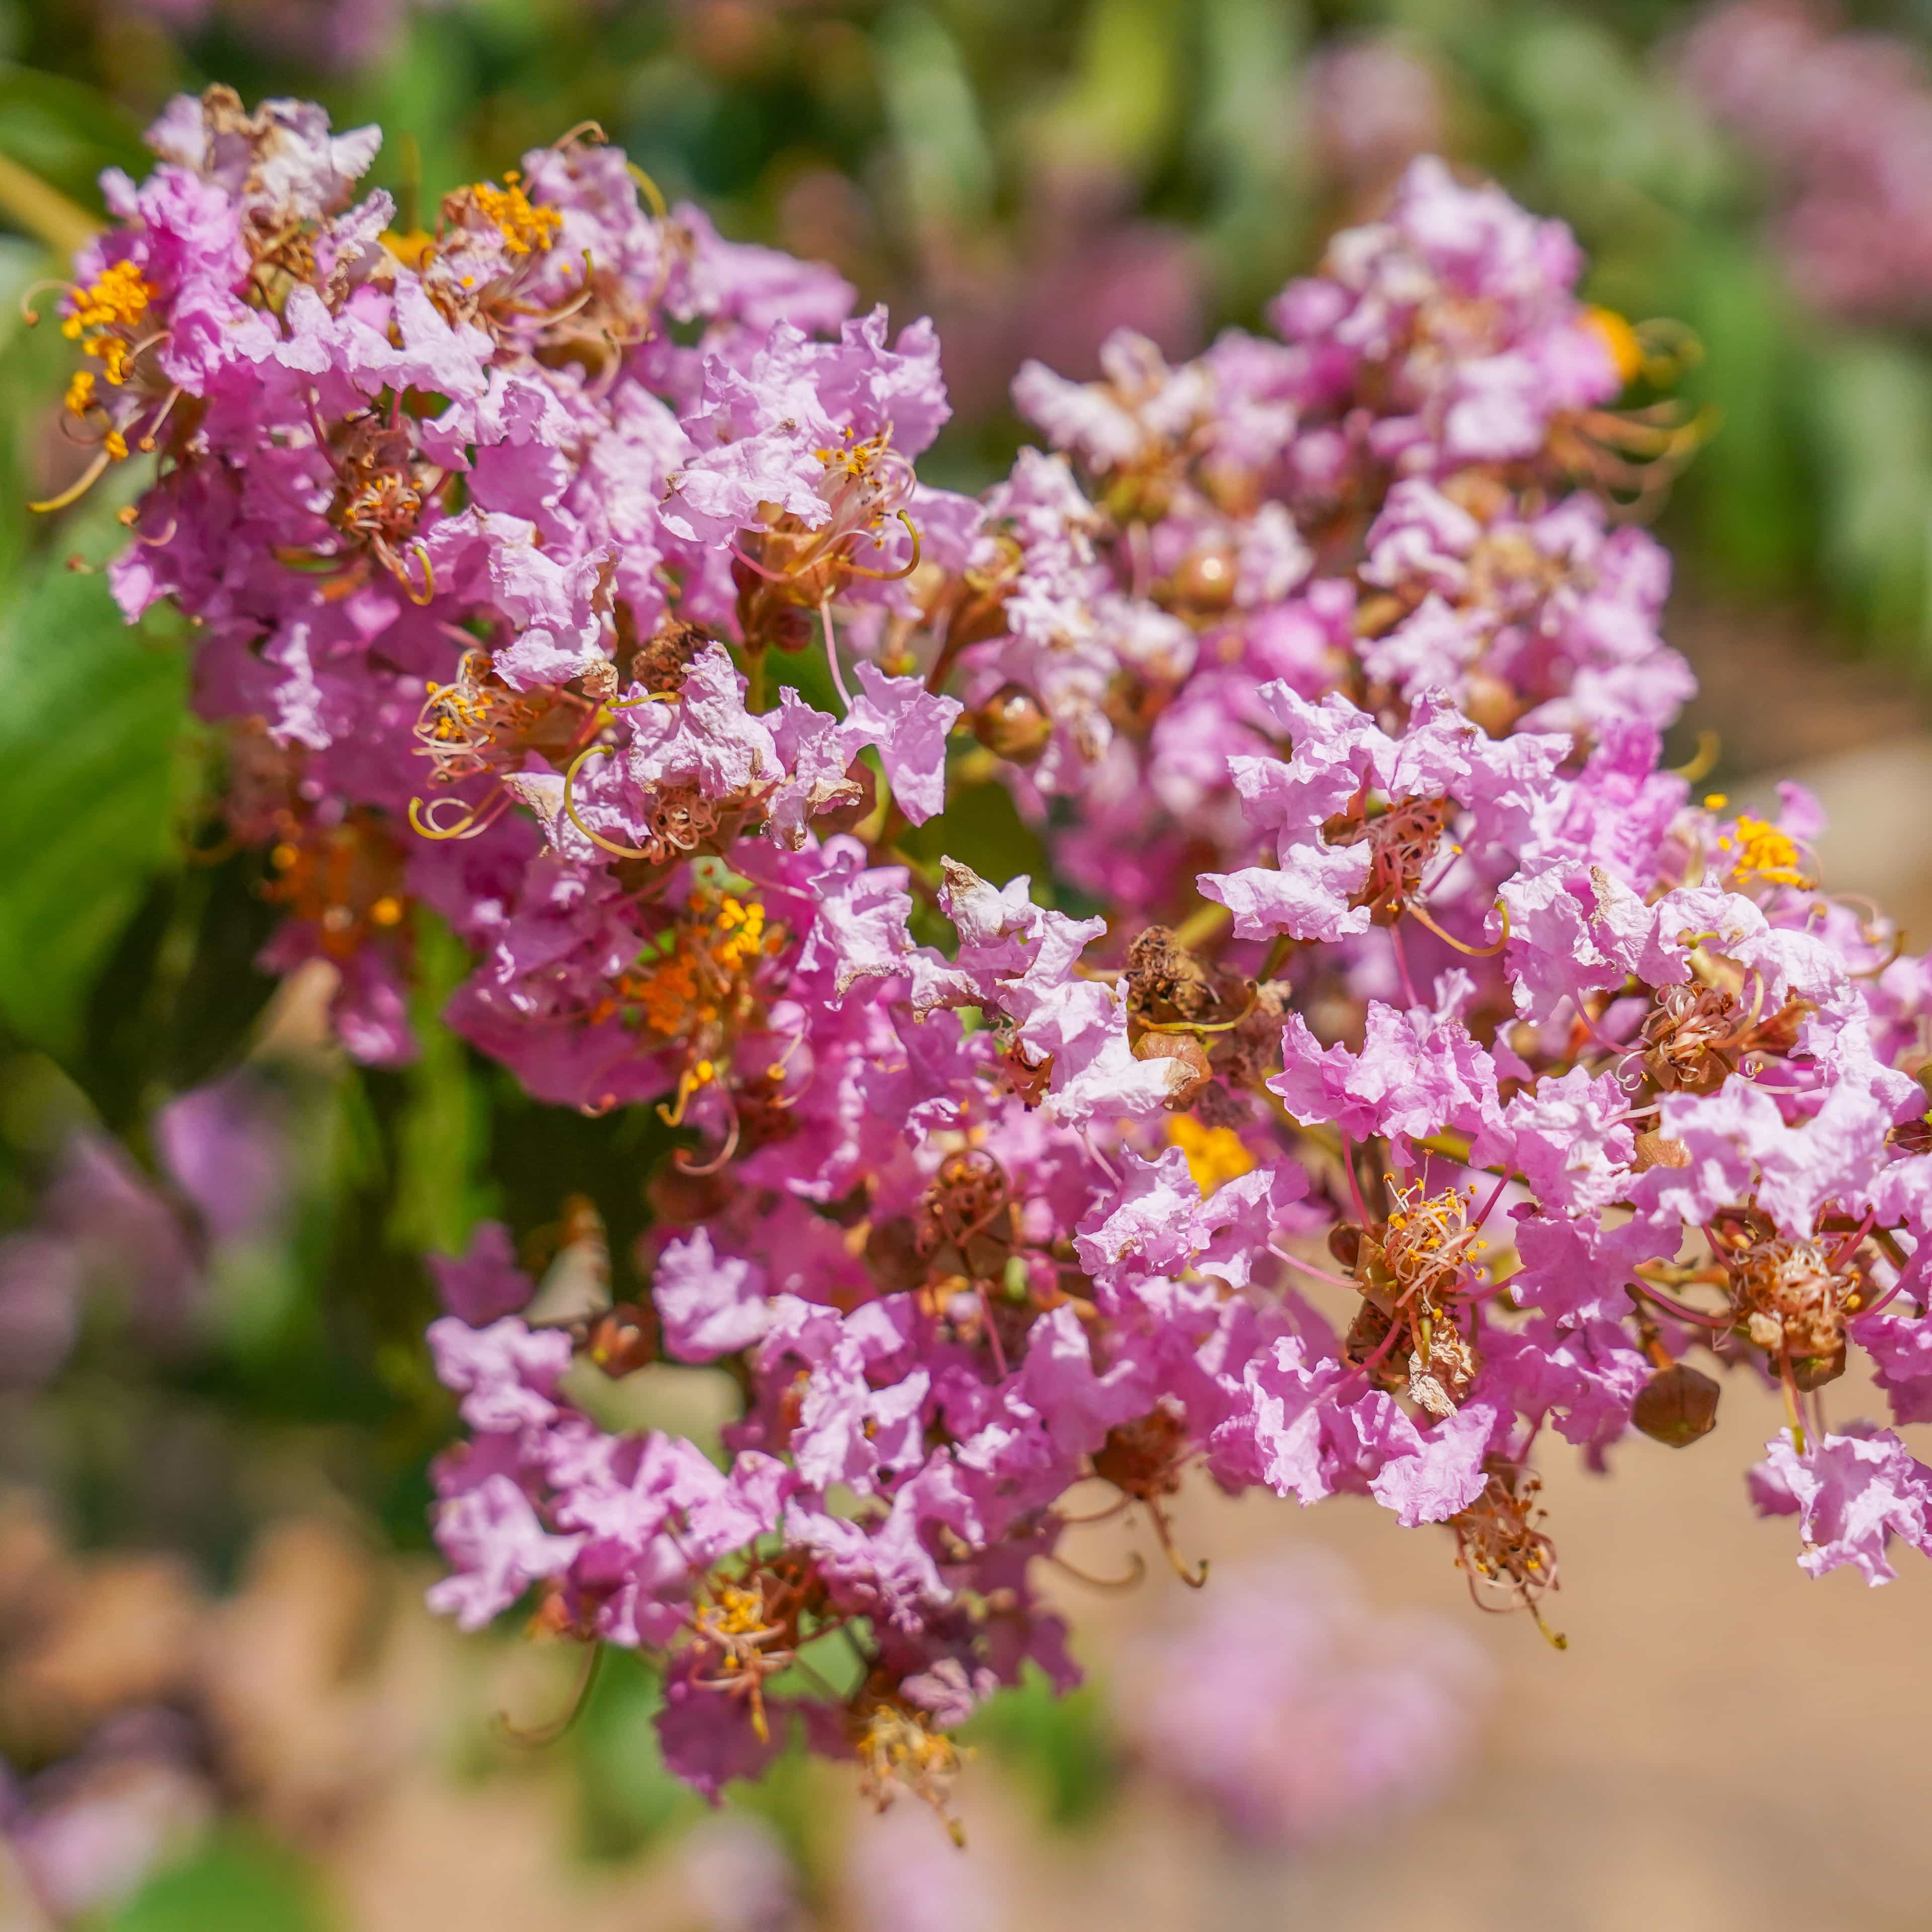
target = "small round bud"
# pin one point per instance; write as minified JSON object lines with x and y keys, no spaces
{"x":1489,"y":700}
{"x":790,"y":630}
{"x":1206,"y":581}
{"x":1677,"y":1405}
{"x":1012,"y":725}
{"x":1344,"y":1243}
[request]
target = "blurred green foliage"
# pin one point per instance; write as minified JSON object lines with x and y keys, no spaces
{"x":235,"y":1882}
{"x":1063,"y":1746}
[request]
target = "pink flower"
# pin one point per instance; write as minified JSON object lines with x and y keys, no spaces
{"x":1852,"y":1494}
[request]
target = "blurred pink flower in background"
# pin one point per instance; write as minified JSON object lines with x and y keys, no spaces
{"x":1843,"y":124}
{"x":1295,"y":1711}
{"x":1372,"y":106}
{"x":904,"y":1874}
{"x":104,"y":1226}
{"x":737,"y":1873}
{"x":87,"y":1830}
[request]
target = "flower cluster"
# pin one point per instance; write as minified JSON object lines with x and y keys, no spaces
{"x":1409,"y":491}
{"x":1842,"y":123}
{"x":1439,"y":1074}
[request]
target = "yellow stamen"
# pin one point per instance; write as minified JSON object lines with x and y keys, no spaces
{"x":1763,"y":852}
{"x":524,"y":226}
{"x":117,"y":298}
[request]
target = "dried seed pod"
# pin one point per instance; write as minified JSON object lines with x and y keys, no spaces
{"x":1677,"y":1405}
{"x":892,"y":1254}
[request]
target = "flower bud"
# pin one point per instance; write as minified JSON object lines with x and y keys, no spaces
{"x":1677,"y":1405}
{"x":1813,"y":1372}
{"x":1206,"y":581}
{"x":1011,"y":724}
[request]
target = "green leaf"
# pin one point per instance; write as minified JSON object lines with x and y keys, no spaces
{"x":91,"y":718}
{"x":1749,"y":491}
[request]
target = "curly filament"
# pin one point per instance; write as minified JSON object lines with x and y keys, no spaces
{"x":596,"y":838}
{"x":904,"y":571}
{"x":1449,"y":939}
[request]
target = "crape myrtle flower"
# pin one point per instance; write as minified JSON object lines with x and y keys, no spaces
{"x":1383,"y":501}
{"x":1435,"y":1079}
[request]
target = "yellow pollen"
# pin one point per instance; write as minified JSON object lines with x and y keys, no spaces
{"x":690,"y":976}
{"x":1716,"y":801}
{"x":1763,"y":852}
{"x":116,"y":357}
{"x":739,"y":1612}
{"x":1215,"y":1155}
{"x":388,"y":910}
{"x":666,"y":993}
{"x":524,"y":225}
{"x":741,"y":934}
{"x":115,"y":444}
{"x":116,"y":298}
{"x":79,"y":398}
